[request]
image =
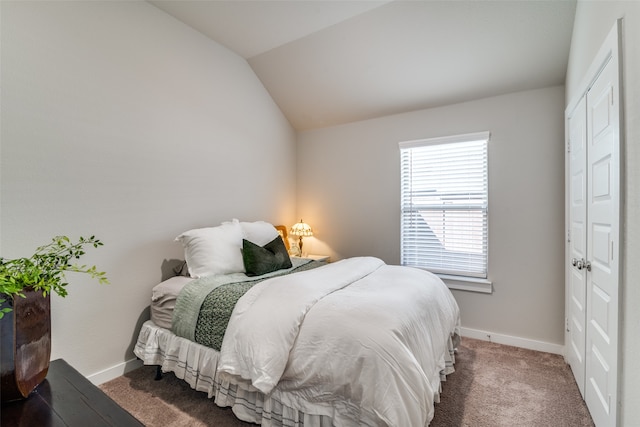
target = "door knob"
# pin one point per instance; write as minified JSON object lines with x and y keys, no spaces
{"x":578,"y":263}
{"x":581,"y":263}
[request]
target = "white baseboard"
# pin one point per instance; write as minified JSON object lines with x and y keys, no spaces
{"x":114,"y":372}
{"x":514,"y":341}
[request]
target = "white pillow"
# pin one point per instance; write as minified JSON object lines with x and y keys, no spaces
{"x":213,"y":250}
{"x":259,"y":232}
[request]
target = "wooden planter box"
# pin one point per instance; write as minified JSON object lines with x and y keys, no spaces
{"x":26,"y":345}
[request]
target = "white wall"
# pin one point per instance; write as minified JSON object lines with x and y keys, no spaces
{"x":349,"y":191}
{"x":120,"y":121}
{"x":594,"y":19}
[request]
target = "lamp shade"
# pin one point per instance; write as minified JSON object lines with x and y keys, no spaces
{"x":301,"y":229}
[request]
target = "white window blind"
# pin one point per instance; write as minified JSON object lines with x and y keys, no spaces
{"x":444,"y":200}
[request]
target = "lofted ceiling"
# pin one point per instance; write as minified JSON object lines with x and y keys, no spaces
{"x":329,"y":62}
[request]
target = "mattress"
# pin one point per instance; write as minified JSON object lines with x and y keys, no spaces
{"x":163,"y":300}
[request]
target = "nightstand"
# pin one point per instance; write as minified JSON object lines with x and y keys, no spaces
{"x":321,"y":258}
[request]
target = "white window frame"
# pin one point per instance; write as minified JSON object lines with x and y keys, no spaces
{"x":425,"y":245}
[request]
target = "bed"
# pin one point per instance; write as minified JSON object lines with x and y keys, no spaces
{"x":286,"y":341}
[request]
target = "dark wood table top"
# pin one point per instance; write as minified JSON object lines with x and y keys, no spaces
{"x":65,"y":398}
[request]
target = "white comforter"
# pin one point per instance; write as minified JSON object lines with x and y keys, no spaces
{"x":364,"y":339}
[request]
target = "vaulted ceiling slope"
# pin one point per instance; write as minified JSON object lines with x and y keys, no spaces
{"x":336,"y":61}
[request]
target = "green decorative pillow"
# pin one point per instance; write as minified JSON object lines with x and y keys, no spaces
{"x":260,"y":260}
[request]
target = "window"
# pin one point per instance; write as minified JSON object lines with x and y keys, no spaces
{"x":444,"y":200}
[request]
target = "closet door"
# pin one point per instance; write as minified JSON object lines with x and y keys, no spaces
{"x":577,"y":275}
{"x":603,"y":213}
{"x":593,"y":222}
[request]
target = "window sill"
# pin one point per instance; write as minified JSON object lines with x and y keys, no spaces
{"x":470,"y":284}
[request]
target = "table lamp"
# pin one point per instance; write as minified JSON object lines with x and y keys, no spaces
{"x":301,"y":230}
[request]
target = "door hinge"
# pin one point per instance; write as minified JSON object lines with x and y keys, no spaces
{"x":566,"y":324}
{"x":569,"y":236}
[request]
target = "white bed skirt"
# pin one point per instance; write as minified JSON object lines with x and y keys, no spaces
{"x":197,"y":365}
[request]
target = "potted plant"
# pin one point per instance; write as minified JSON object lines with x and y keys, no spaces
{"x":25,"y":321}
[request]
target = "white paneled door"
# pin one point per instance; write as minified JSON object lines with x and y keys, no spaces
{"x":593,"y":131}
{"x":577,"y":283}
{"x":603,"y":201}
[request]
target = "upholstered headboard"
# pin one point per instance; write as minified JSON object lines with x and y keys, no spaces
{"x":284,"y":234}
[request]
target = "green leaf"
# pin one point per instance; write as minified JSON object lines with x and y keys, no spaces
{"x":45,"y":269}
